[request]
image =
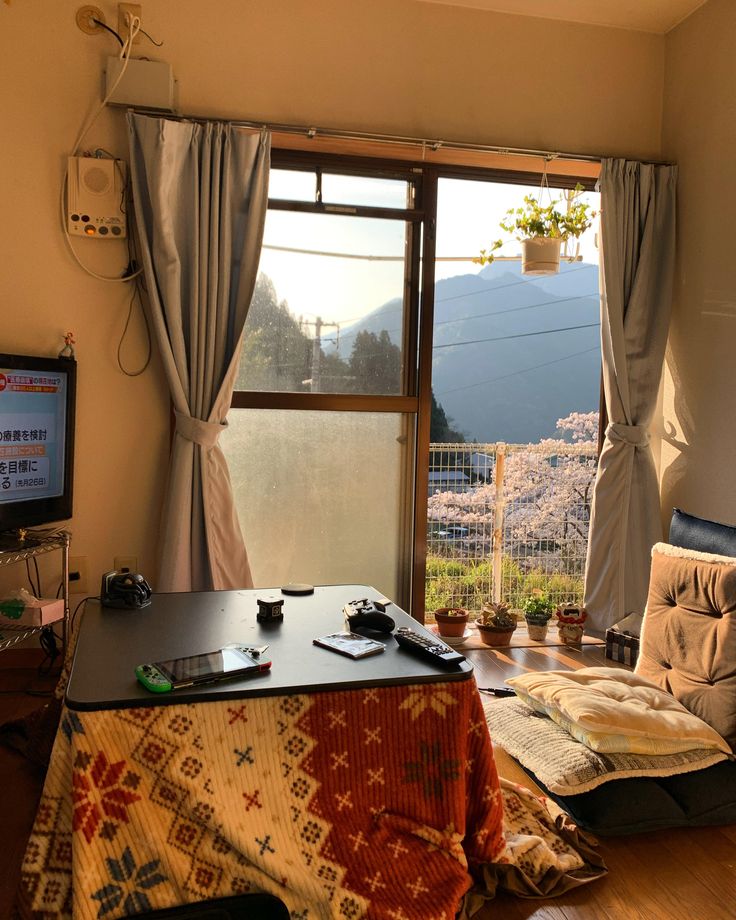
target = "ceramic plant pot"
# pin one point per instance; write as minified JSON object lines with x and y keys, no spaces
{"x":451,"y":621}
{"x":540,"y":255}
{"x":495,"y":636}
{"x":537,"y":629}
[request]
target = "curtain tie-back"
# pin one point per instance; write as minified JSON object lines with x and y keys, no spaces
{"x":635,"y":435}
{"x":200,"y":432}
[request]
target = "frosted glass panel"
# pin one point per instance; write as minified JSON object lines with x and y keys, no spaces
{"x":323,"y":496}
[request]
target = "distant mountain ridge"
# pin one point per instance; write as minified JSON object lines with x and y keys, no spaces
{"x":515,"y":387}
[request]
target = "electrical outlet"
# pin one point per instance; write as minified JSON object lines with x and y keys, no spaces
{"x":125,"y":13}
{"x":79,"y":585}
{"x":125,"y":563}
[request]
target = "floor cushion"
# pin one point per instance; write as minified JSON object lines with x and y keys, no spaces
{"x":612,"y":710}
{"x":688,"y":638}
{"x":568,"y":767}
{"x":634,"y":806}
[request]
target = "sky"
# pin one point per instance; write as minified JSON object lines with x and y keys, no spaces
{"x":342,"y":290}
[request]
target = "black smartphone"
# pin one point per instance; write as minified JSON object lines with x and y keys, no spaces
{"x":229,"y":662}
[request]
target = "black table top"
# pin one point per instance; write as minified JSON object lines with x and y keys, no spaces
{"x":113,"y":642}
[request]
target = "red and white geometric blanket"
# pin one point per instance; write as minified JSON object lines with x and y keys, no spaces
{"x":366,"y":803}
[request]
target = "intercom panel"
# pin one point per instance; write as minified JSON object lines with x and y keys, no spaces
{"x":96,"y":198}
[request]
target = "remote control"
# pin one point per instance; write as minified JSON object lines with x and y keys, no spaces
{"x":430,"y":649}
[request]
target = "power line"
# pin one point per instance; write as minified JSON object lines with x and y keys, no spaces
{"x":486,"y":290}
{"x":520,"y":335}
{"x":525,"y":370}
{"x":544,"y":303}
{"x":500,"y":287}
{"x":461,"y":319}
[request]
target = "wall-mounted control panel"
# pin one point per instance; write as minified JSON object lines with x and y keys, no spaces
{"x":95,"y":199}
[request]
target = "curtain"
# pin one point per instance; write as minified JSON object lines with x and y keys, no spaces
{"x":637,"y":263}
{"x":200,"y":195}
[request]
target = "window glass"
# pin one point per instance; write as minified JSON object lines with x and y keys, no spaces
{"x":365,"y":190}
{"x":292,"y":184}
{"x":516,"y":371}
{"x":322,"y":496}
{"x":328,"y":310}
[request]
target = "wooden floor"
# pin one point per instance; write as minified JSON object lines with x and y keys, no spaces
{"x":668,"y":875}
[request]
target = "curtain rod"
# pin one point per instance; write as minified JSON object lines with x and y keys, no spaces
{"x":419,"y":142}
{"x":312,"y":131}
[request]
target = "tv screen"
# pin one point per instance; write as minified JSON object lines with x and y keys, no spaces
{"x":37,"y":397}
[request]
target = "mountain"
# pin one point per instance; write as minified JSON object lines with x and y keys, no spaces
{"x":515,"y":387}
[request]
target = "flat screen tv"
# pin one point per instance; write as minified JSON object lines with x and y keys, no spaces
{"x":37,"y":399}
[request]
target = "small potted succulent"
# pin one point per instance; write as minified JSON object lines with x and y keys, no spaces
{"x":496,"y":624}
{"x":570,"y":619}
{"x":451,"y":621}
{"x":542,"y":229}
{"x":538,"y":610}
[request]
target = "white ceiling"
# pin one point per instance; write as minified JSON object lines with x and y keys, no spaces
{"x":644,"y":15}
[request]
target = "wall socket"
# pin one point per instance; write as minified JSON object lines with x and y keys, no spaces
{"x":126,"y":10}
{"x":125,"y":563}
{"x":78,"y":564}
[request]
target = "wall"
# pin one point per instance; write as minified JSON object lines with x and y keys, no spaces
{"x":699,"y":133}
{"x":391,"y":66}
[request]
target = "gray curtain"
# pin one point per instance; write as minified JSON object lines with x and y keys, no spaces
{"x":637,"y":263}
{"x":200,"y":193}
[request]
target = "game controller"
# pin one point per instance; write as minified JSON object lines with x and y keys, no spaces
{"x":152,"y":679}
{"x":371,"y":615}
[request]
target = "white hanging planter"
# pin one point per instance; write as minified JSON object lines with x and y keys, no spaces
{"x":540,"y":255}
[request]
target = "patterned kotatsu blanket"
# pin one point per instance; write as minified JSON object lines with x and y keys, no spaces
{"x":380,"y":803}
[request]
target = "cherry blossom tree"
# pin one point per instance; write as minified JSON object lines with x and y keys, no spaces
{"x":547,"y":492}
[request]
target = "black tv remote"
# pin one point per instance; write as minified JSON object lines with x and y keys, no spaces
{"x":430,"y":649}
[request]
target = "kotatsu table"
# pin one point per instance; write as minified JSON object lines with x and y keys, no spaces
{"x":346,"y":788}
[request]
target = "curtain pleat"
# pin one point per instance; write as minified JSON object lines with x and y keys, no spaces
{"x":200,"y":192}
{"x":637,"y":265}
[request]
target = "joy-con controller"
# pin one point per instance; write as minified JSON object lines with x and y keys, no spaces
{"x":152,"y":679}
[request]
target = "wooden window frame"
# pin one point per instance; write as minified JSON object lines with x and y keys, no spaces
{"x":376,"y":160}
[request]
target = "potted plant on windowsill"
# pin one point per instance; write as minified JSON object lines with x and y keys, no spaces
{"x":451,"y":621}
{"x":542,"y":229}
{"x":538,"y":610}
{"x":570,"y":619}
{"x":496,"y":624}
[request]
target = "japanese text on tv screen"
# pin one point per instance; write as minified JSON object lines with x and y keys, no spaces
{"x":32,"y":434}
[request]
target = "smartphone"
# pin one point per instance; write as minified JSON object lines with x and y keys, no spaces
{"x":229,"y":662}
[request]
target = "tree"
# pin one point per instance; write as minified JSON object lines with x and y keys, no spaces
{"x":440,"y":431}
{"x":275,"y":354}
{"x":375,"y":364}
{"x":547,"y":494}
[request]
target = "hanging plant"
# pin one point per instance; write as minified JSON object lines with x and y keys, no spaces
{"x":536,"y":223}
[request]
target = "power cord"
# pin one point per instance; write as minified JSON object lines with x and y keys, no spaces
{"x":35,"y":587}
{"x":76,"y":610}
{"x":134,"y":27}
{"x":139,"y":290}
{"x":47,"y":641}
{"x":137,"y":286}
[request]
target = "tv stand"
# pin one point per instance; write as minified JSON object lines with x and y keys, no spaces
{"x":18,"y":546}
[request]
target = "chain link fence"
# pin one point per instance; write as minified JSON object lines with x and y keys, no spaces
{"x":505,"y":519}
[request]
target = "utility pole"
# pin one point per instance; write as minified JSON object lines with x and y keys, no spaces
{"x":319,"y":324}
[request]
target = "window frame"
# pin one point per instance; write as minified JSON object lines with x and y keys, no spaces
{"x":418,"y":319}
